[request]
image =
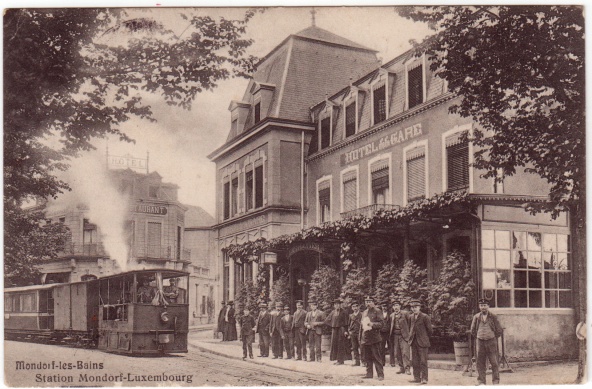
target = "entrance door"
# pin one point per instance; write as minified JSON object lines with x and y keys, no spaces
{"x":303,"y":264}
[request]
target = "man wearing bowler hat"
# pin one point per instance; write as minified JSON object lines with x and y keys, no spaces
{"x":262,"y":328}
{"x":370,"y":339}
{"x":315,"y":319}
{"x":486,"y":328}
{"x":419,"y":337}
{"x":300,"y":330}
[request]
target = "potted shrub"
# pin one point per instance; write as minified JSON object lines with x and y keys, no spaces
{"x":387,"y":278}
{"x":412,"y":284}
{"x":325,"y":287}
{"x":451,"y":297}
{"x":356,"y":287}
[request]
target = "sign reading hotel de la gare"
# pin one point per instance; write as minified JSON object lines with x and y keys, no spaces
{"x":386,"y":141}
{"x":151,"y":209}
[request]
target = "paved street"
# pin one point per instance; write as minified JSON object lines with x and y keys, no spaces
{"x":67,"y":366}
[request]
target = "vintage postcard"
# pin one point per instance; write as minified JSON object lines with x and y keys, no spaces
{"x":294,"y":196}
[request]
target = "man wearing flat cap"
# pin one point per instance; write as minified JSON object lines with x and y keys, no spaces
{"x":300,"y":330}
{"x":277,"y":346}
{"x":314,"y":321}
{"x":353,"y":331}
{"x":399,"y":335}
{"x":486,"y":328}
{"x":337,"y":320}
{"x":287,"y":332}
{"x":419,"y":337}
{"x":370,"y":339}
{"x":262,"y":328}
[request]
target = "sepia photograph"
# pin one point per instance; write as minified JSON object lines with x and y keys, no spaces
{"x":294,"y":196}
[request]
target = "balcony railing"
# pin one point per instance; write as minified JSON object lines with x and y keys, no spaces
{"x":86,"y":249}
{"x":369,"y":210}
{"x":159,"y":252}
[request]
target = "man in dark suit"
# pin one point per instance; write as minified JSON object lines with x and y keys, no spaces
{"x":262,"y":328}
{"x":314,"y":321}
{"x":300,"y":331}
{"x":353,"y":332}
{"x":274,"y":331}
{"x":287,"y":332}
{"x":370,"y":339}
{"x":384,"y":332}
{"x":399,"y":335}
{"x":486,"y":328}
{"x":247,"y":323}
{"x":337,"y":320}
{"x":419,"y":337}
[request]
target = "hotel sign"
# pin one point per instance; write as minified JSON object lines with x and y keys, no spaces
{"x":127,"y":161}
{"x":151,"y":209}
{"x":385,"y":142}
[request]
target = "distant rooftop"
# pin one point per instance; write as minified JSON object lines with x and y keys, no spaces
{"x":318,"y":34}
{"x":197,"y":217}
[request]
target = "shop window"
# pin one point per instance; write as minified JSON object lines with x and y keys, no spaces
{"x":415,"y":86}
{"x":259,"y":186}
{"x":457,"y":161}
{"x":234,"y":196}
{"x":350,"y":191}
{"x":379,"y":96}
{"x":249,"y":190}
{"x":325,"y":133}
{"x":416,"y":182}
{"x":524,"y":269}
{"x":380,"y":182}
{"x":324,"y":196}
{"x":350,"y":120}
{"x":226,"y":200}
{"x":257,"y":112}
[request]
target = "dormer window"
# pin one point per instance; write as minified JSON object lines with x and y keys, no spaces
{"x":379,"y":97}
{"x":257,"y":113}
{"x":415,"y":90}
{"x":325,"y":132}
{"x":350,"y":119}
{"x":153,"y":191}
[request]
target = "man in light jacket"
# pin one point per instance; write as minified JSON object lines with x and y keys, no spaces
{"x":486,"y":329}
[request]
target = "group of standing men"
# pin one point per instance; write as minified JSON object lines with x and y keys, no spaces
{"x":367,"y":334}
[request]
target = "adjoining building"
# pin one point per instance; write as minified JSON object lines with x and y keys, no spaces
{"x":324,"y":135}
{"x":154,"y":236}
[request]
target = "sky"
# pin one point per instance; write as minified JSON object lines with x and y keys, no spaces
{"x":180,"y":140}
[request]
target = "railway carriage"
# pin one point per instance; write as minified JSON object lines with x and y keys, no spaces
{"x":108,"y":313}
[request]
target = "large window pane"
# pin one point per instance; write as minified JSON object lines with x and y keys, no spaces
{"x":562,"y":243}
{"x":551,"y":299}
{"x":503,"y":279}
{"x":549,"y":242}
{"x":562,"y":262}
{"x":519,"y":240}
{"x":488,"y":259}
{"x":535,"y":299}
{"x":502,"y":259}
{"x":520,"y":299}
{"x":487,"y":239}
{"x":520,"y":261}
{"x":502,"y":240}
{"x":565,"y":300}
{"x":503,"y":298}
{"x":534,"y":279}
{"x":551,"y":280}
{"x":489,"y":280}
{"x":549,"y":260}
{"x":534,"y":260}
{"x":564,"y":280}
{"x":519,"y":279}
{"x":534,"y":241}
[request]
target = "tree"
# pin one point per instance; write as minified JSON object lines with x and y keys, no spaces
{"x":357,"y":286}
{"x":519,"y":73}
{"x":385,"y":287}
{"x":247,"y":296}
{"x":325,"y":287}
{"x":412,"y":284}
{"x":281,"y":291}
{"x":64,"y":87}
{"x":451,"y":296}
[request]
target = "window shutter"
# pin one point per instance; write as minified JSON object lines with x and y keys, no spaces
{"x":350,"y":119}
{"x":380,"y":179}
{"x":154,"y":238}
{"x":458,"y":165}
{"x":415,"y":84}
{"x":416,"y":174}
{"x":349,"y":194}
{"x":324,"y":195}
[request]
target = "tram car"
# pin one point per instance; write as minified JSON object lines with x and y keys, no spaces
{"x":138,"y":312}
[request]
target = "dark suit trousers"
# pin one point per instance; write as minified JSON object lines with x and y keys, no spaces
{"x":373,"y":357}
{"x":399,"y":349}
{"x":355,"y":345}
{"x":487,"y":349}
{"x":383,"y":346}
{"x":264,"y":344}
{"x":314,"y":343}
{"x":247,"y":345}
{"x":419,"y":360}
{"x":276,"y":345}
{"x":289,"y":345}
{"x":300,"y":342}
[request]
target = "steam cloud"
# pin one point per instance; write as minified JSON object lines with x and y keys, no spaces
{"x":107,"y":207}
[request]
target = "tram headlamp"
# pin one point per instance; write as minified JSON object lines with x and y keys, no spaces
{"x":164,"y":317}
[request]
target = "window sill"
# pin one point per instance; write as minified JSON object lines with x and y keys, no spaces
{"x":533,"y":311}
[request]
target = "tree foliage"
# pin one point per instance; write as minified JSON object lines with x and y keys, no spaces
{"x":281,"y":291}
{"x":387,"y":279}
{"x":247,"y":295}
{"x":412,"y":284}
{"x":64,"y":85}
{"x":519,"y":72}
{"x":357,"y":286}
{"x":451,"y":297}
{"x":325,"y":287}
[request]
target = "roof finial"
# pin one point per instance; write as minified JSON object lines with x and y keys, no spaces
{"x":313,"y":12}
